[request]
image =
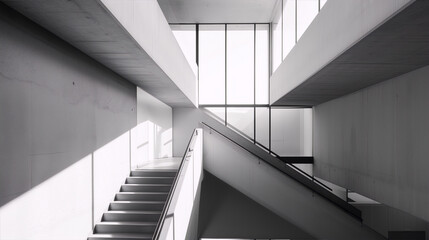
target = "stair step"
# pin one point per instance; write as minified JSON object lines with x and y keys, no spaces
{"x":120,"y":236}
{"x":141,"y":196}
{"x":131,"y":216}
{"x":137,"y":205}
{"x":125,"y":227}
{"x":154,"y":173}
{"x":137,"y":180}
{"x":145,"y":187}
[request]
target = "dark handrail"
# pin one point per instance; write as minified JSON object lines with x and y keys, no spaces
{"x":254,"y":141}
{"x":189,"y":148}
{"x":353,"y":211}
{"x":275,"y":155}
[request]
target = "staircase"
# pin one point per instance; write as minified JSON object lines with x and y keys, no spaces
{"x":136,"y":209}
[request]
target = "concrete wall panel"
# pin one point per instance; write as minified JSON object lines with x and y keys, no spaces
{"x":57,"y":107}
{"x":374,"y":142}
{"x":146,"y":23}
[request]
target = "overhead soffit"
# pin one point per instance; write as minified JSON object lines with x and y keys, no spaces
{"x":88,"y":26}
{"x":218,"y":11}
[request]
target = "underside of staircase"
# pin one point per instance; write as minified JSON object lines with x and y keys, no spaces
{"x":137,"y":207}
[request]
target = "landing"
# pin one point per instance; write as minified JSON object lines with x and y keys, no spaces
{"x":163,"y":163}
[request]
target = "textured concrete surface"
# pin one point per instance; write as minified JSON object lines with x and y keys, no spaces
{"x":374,"y":142}
{"x":219,"y":11}
{"x":228,"y":213}
{"x":57,"y":107}
{"x":383,"y":219}
{"x":134,"y":40}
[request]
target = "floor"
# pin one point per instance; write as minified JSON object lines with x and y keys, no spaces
{"x":163,"y":163}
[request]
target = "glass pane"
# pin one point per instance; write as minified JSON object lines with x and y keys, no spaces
{"x":322,"y":3}
{"x":277,"y":36}
{"x":241,"y":120}
{"x":288,"y":26}
{"x":217,"y":113}
{"x":212,"y":64}
{"x":262,"y":63}
{"x":240,"y":63}
{"x":307,"y":11}
{"x":262,"y":126}
{"x":291,"y":132}
{"x":186,"y":37}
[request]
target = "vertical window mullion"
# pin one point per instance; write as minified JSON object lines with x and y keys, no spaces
{"x":269,"y":128}
{"x":226,"y":80}
{"x":296,"y":21}
{"x":254,"y":83}
{"x":281,"y":43}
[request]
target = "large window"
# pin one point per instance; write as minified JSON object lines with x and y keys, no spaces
{"x":277,"y":36}
{"x":240,"y":63}
{"x":233,"y":64}
{"x":291,"y":18}
{"x":212,"y":64}
{"x":186,"y":37}
{"x":289,"y":23}
{"x":307,"y":11}
{"x":234,"y":71}
{"x":262,"y":64}
{"x":241,"y":119}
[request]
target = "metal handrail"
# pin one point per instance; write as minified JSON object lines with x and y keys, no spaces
{"x":189,"y":149}
{"x":335,"y":199}
{"x":276,"y":155}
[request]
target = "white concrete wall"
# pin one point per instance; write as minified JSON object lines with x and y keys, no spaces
{"x":338,"y":26}
{"x":146,"y":23}
{"x":64,"y":126}
{"x":375,"y":142}
{"x":152,"y":138}
{"x":184,"y":122}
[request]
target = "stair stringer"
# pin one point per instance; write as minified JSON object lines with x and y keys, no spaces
{"x":279,"y":193}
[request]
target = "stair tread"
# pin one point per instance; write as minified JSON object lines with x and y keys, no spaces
{"x":137,"y":193}
{"x":156,"y":170}
{"x":120,"y":235}
{"x":123,"y":223}
{"x":147,"y":177}
{"x":133,"y":212}
{"x":146,"y":184}
{"x":142,"y":202}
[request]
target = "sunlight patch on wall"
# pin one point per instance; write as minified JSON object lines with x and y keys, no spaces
{"x":111,"y":167}
{"x":149,"y":142}
{"x":66,"y":205}
{"x":58,"y":208}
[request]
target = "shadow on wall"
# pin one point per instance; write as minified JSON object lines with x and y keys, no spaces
{"x":226,"y":213}
{"x":68,"y":128}
{"x":67,"y":205}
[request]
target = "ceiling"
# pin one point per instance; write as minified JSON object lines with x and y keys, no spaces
{"x":88,"y":26}
{"x":218,"y":11}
